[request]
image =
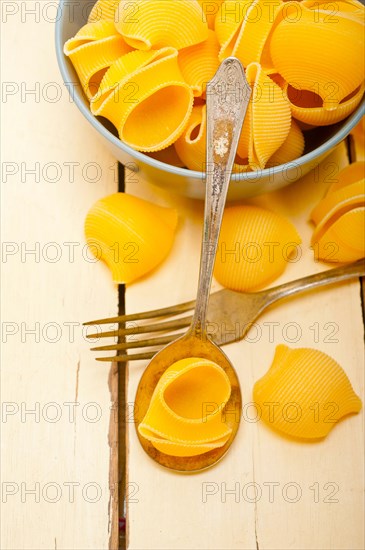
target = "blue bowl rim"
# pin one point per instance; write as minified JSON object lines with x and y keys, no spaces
{"x":354,"y":118}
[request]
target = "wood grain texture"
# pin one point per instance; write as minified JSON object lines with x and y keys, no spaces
{"x":269,"y":492}
{"x":61,"y":451}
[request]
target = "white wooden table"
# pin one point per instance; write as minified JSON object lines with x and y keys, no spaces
{"x":59,"y":429}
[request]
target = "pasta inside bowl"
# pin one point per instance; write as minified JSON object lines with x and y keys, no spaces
{"x":159,"y":164}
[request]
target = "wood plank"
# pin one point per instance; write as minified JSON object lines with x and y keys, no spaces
{"x":52,"y":370}
{"x":217,"y":509}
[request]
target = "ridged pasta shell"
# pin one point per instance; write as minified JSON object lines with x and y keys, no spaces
{"x":243,"y":28}
{"x":145,"y":90}
{"x":291,"y":149}
{"x":199,"y":63}
{"x":267,"y":109}
{"x":103,"y":10}
{"x":307,"y":106}
{"x":210,"y":10}
{"x":132,"y":236}
{"x":178,"y":420}
{"x":92,"y":51}
{"x":304,"y":393}
{"x":339,"y":201}
{"x":312,"y":54}
{"x":340,"y":218}
{"x":341,"y":239}
{"x":146,"y":24}
{"x":254,"y":248}
{"x":191,"y":146}
{"x":352,"y":7}
{"x":358,"y":140}
{"x":350,"y":174}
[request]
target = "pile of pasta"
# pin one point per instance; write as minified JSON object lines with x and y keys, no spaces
{"x":144,"y":66}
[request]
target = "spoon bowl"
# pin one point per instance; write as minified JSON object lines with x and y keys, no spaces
{"x":227,"y":94}
{"x":187,"y":346}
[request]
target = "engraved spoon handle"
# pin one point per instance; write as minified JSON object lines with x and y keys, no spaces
{"x":228,"y":95}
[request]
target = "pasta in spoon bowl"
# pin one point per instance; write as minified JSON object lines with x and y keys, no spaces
{"x":139,"y":79}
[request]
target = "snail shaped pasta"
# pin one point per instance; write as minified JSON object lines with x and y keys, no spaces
{"x":210,"y":10}
{"x":243,"y":28}
{"x":103,"y":10}
{"x":309,"y":393}
{"x":199,"y":63}
{"x":307,"y":106}
{"x":191,"y":146}
{"x":291,"y":149}
{"x":313,"y":55}
{"x":184,"y":417}
{"x":146,"y":24}
{"x":144,"y":64}
{"x":353,"y":7}
{"x":92,"y":51}
{"x":132,"y":236}
{"x":254,"y":247}
{"x":358,"y":140}
{"x":145,"y":89}
{"x":339,"y":217}
{"x":267,"y":109}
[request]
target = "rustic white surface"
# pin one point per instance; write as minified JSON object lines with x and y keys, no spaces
{"x":65,"y":458}
{"x":53,"y":369}
{"x":217,"y":509}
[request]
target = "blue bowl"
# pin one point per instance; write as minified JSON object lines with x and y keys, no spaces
{"x":72,"y":14}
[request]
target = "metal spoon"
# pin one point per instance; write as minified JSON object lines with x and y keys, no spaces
{"x":227,"y":94}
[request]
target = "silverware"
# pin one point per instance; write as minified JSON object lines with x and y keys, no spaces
{"x":230,"y":315}
{"x":226,"y":109}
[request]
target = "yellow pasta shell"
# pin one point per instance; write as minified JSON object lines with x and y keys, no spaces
{"x":350,"y":174}
{"x":132,"y":236}
{"x":352,"y":7}
{"x":358,"y":140}
{"x":210,"y":10}
{"x":146,"y":24}
{"x":145,"y":90}
{"x":199,"y":63}
{"x":291,"y":149}
{"x":267,"y":109}
{"x":191,"y":146}
{"x":103,"y":9}
{"x":94,"y":48}
{"x":228,"y":23}
{"x":341,"y":239}
{"x":255,"y":246}
{"x":339,"y":200}
{"x":244,"y":27}
{"x":184,"y":417}
{"x":312,"y":54}
{"x":304,"y":393}
{"x":307,"y":106}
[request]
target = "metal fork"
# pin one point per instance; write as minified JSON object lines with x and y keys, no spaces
{"x":230,"y":315}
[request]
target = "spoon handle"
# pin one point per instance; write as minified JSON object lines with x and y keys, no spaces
{"x":228,"y":95}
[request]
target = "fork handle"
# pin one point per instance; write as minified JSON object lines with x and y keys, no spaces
{"x":342,"y":273}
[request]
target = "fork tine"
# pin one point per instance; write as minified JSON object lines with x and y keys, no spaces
{"x":165,"y":311}
{"x":127,"y":358}
{"x":139,"y":343}
{"x":156,"y":327}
